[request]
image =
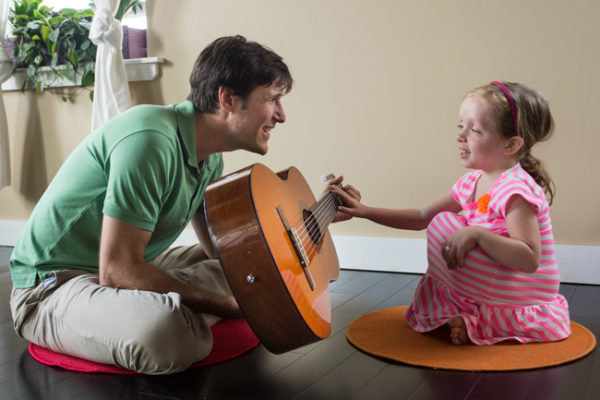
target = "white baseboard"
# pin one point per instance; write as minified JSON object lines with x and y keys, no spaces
{"x":10,"y":232}
{"x":578,"y":264}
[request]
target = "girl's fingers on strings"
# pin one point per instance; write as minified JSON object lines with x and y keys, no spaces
{"x":336,"y":190}
{"x":352,"y":191}
{"x":336,"y":181}
{"x":348,"y":195}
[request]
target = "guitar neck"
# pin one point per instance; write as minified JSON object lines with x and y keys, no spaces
{"x":324,"y":211}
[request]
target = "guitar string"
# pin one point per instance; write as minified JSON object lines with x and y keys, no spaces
{"x":317,"y":214}
{"x":327,"y":205}
{"x":321,"y":216}
{"x":310,"y":245}
{"x":326,"y":210}
{"x":323,"y":220}
{"x":308,"y":229}
{"x":314,"y":221}
{"x":323,"y":211}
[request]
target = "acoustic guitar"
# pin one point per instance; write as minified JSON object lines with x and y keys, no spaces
{"x":271,"y":237}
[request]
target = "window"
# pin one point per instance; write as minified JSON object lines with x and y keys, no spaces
{"x":139,"y":67}
{"x":137,"y":20}
{"x":134,"y":25}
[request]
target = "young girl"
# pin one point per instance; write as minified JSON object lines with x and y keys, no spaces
{"x":492,"y":274}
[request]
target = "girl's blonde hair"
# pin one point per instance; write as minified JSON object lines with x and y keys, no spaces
{"x":534,"y":122}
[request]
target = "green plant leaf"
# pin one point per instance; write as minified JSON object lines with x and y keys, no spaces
{"x":87,"y":79}
{"x":125,"y":6}
{"x":89,"y":66}
{"x":85,"y":24}
{"x":26,"y":47}
{"x":54,"y":60}
{"x":69,"y":11}
{"x":68,"y":72}
{"x":55,"y":20}
{"x":38,"y":15}
{"x":91,"y":51}
{"x":45,"y":31}
{"x":31,"y":70}
{"x":73,"y":58}
{"x":21,"y":18}
{"x":53,"y":36}
{"x":33,"y":25}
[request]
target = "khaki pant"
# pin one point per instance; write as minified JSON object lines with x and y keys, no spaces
{"x":144,"y":331}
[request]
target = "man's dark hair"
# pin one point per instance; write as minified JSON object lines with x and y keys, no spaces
{"x":238,"y":64}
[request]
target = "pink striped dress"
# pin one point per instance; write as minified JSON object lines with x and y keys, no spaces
{"x":496,"y":302}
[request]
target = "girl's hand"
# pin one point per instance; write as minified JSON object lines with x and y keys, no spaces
{"x":350,"y":196}
{"x":456,"y":246}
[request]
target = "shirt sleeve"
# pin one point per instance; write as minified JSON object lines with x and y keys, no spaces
{"x":515,"y":187}
{"x":137,"y":172}
{"x":456,"y":190}
{"x":464,"y":187}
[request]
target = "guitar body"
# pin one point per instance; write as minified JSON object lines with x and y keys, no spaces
{"x":244,"y":214}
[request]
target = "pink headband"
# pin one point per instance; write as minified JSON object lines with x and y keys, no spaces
{"x":510,"y":101}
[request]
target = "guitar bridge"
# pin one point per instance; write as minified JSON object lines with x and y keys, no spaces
{"x":298,"y":248}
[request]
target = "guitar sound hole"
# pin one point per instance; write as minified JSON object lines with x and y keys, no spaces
{"x":312,"y":226}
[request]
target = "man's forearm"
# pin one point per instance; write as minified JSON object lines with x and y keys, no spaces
{"x":144,"y":276}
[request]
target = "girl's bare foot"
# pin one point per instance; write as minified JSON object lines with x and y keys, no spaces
{"x":458,"y":331}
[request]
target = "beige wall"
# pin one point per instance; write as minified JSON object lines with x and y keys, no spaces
{"x":377,"y":89}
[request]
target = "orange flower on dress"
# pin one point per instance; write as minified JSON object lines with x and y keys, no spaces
{"x":482,"y":203}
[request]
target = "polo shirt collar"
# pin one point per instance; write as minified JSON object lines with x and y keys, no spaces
{"x":187,"y":131}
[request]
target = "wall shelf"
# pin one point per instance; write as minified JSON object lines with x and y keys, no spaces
{"x":138,"y":69}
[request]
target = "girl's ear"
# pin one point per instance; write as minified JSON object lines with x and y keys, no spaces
{"x":513,"y":145}
{"x":226,"y":98}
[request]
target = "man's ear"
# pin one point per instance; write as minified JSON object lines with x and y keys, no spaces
{"x":513,"y":145}
{"x":227,"y":98}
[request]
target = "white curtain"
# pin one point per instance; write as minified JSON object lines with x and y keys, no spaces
{"x":111,"y":92}
{"x":6,"y":66}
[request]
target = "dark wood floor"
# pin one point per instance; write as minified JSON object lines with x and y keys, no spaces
{"x":330,"y":369}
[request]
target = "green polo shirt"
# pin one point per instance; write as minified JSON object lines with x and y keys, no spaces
{"x":139,"y":168}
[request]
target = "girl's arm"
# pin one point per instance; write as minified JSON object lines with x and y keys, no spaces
{"x":521,"y":250}
{"x":413,"y":219}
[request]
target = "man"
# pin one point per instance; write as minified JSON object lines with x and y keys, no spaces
{"x":93,"y":274}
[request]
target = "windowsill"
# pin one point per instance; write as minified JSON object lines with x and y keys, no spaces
{"x":138,"y":69}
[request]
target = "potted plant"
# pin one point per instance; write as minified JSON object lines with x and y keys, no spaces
{"x":57,"y":40}
{"x":54,"y":45}
{"x":128,"y":5}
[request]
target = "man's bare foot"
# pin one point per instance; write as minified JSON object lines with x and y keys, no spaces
{"x":458,"y":331}
{"x":230,"y":308}
{"x":217,"y":305}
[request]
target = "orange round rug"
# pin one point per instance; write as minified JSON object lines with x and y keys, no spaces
{"x":386,"y":334}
